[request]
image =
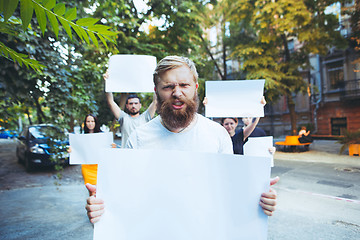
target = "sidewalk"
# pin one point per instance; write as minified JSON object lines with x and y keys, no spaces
{"x":326,"y":151}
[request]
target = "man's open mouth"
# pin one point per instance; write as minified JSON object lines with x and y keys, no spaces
{"x":178,"y":105}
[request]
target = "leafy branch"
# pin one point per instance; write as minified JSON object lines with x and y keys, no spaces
{"x":48,"y":11}
{"x":20,"y":58}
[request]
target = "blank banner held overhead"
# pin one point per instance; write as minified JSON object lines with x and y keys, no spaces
{"x":131,"y":73}
{"x":234,"y":98}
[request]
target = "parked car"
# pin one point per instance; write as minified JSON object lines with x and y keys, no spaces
{"x":41,"y":145}
{"x":7,"y":134}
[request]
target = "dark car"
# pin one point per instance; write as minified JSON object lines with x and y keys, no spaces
{"x":42,"y":145}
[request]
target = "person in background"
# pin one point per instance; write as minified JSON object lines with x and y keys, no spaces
{"x":130,"y":117}
{"x":178,"y":127}
{"x":304,"y":136}
{"x":257,"y":132}
{"x":240,"y":137}
{"x":89,"y":171}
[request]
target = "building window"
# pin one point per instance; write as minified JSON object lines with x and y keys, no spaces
{"x":336,"y":74}
{"x":338,"y":126}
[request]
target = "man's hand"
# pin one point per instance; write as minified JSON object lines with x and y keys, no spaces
{"x":272,"y":150}
{"x":94,"y":206}
{"x":205,"y":101}
{"x":106,"y":75}
{"x":263,"y":101}
{"x":268,"y":200}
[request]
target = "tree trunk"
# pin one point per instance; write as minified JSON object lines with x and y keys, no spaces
{"x":289,"y":100}
{"x":211,"y":56}
{"x":224,"y":58}
{"x":291,"y":106}
{"x":28,"y":115}
{"x":40,"y":114}
{"x":71,"y":123}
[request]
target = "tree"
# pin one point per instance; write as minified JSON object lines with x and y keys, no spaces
{"x":267,"y":27}
{"x":58,"y":89}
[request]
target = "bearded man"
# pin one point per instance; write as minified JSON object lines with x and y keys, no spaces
{"x":178,"y":127}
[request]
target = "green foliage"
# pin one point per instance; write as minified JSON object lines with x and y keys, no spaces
{"x":270,"y":25}
{"x":86,"y":28}
{"x":20,"y":58}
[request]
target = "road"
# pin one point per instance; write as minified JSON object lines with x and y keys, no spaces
{"x":316,"y":201}
{"x":40,"y":205}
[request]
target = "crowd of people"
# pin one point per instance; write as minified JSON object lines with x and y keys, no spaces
{"x":178,"y":126}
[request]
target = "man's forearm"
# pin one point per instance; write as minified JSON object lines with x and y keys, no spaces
{"x":250,"y":128}
{"x":115,"y":109}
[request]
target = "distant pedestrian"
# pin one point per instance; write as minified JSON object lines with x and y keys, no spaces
{"x":304,"y":135}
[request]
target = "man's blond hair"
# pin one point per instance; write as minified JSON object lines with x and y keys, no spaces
{"x":172,"y":62}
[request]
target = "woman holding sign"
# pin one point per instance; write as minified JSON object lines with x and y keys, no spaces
{"x":89,"y":171}
{"x":238,"y":138}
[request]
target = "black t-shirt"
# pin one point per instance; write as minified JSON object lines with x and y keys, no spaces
{"x":238,"y":142}
{"x":258,"y":132}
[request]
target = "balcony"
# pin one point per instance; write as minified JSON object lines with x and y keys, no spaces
{"x":343,"y":90}
{"x":350,"y":90}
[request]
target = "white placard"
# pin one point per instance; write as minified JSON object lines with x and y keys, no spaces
{"x":259,"y":147}
{"x":162,"y":195}
{"x":131,"y":73}
{"x":234,"y":98}
{"x":86,"y":148}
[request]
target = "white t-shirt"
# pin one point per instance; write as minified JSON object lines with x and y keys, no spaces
{"x":129,"y":123}
{"x":204,"y":136}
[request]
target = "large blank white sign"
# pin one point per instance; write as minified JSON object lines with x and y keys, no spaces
{"x":234,"y":98}
{"x":130,"y":73}
{"x":162,"y":195}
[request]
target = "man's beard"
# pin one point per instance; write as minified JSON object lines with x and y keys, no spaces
{"x":177,"y":118}
{"x":131,"y":113}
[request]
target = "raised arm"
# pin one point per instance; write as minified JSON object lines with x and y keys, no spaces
{"x":115,"y":109}
{"x":250,"y":128}
{"x":152,"y":107}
